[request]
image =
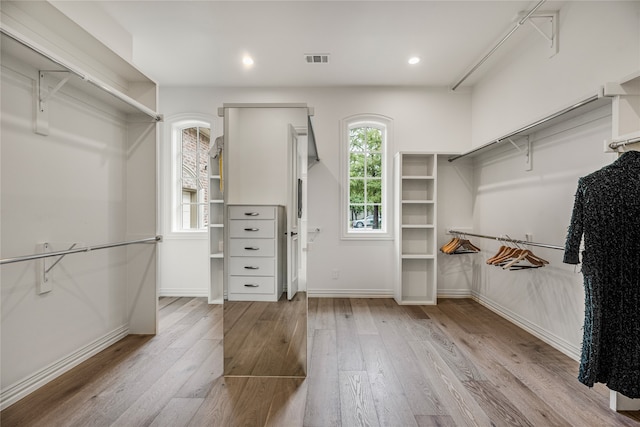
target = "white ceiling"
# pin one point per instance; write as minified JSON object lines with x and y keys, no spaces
{"x":201,"y":43}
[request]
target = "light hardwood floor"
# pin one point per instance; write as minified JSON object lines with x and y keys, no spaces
{"x":373,"y":363}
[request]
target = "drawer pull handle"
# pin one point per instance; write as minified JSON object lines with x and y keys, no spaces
{"x":251,"y":285}
{"x":251,"y":248}
{"x":251,"y":229}
{"x":251,"y":267}
{"x":251,"y":213}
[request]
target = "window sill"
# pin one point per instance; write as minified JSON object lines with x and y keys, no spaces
{"x":366,"y":236}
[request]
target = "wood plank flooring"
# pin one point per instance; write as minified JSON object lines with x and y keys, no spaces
{"x":266,"y":338}
{"x":372,"y":363}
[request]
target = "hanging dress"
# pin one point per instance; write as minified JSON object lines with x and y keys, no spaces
{"x":607,"y":213}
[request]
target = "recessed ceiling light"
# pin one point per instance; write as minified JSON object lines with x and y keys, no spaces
{"x":414,"y":60}
{"x":247,"y":60}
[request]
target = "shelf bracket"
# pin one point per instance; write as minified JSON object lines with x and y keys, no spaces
{"x":515,"y":145}
{"x":44,"y":94}
{"x":526,"y":151}
{"x":550,"y":32}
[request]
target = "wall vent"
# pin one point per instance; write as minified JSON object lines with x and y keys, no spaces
{"x":317,"y":58}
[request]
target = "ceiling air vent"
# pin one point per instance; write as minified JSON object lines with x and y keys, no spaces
{"x":317,"y":58}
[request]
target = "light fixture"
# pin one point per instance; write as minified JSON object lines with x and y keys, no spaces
{"x":414,"y":60}
{"x":247,"y":60}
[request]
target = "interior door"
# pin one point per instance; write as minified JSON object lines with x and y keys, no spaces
{"x":293,"y":215}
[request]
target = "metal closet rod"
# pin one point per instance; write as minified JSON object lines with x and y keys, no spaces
{"x":615,"y":144}
{"x":507,"y":239}
{"x":500,"y":43}
{"x":156,"y":239}
{"x":530,"y":126}
{"x":97,"y":83}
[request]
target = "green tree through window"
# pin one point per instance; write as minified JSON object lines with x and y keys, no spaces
{"x":366,"y":146}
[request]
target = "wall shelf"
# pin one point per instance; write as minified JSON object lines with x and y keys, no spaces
{"x":588,"y":104}
{"x":14,"y":45}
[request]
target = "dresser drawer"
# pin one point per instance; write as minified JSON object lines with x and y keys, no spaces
{"x":252,"y":285}
{"x":252,"y":247}
{"x":252,"y":266}
{"x":247,"y":228}
{"x":252,"y":212}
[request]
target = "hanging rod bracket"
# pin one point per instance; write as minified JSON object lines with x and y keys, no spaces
{"x":44,"y":267}
{"x":44,"y":94}
{"x":45,"y":280}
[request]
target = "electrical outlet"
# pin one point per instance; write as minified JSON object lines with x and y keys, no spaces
{"x":335,"y":274}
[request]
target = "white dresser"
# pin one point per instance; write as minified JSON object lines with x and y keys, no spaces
{"x":256,"y":246}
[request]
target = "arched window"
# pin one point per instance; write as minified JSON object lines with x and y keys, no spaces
{"x":190,"y":141}
{"x":366,"y":210}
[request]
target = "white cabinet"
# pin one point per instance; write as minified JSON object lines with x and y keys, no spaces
{"x":416,"y":188}
{"x":216,"y":232}
{"x":256,"y":244}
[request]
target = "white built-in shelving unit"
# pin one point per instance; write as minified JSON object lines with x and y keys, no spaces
{"x":416,"y":189}
{"x":216,"y":232}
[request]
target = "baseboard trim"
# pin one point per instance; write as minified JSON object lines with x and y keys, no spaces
{"x":17,"y":391}
{"x":554,"y":341}
{"x":454,"y":293}
{"x":183,"y":292}
{"x":349,"y":293}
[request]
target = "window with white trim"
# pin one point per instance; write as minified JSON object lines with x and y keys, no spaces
{"x":366,"y":212}
{"x":191,"y":142}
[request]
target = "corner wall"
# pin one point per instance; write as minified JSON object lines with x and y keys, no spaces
{"x":508,"y":200}
{"x":599,"y":42}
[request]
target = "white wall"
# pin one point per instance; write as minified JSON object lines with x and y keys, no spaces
{"x":424,"y":119}
{"x":89,"y":180}
{"x":599,"y":42}
{"x":68,"y":187}
{"x":511,"y":201}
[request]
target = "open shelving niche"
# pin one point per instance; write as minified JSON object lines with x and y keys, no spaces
{"x":216,"y":232}
{"x":416,"y":189}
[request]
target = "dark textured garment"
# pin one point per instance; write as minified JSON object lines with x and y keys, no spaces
{"x":607,"y":212}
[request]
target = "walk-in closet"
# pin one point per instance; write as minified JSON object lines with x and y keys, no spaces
{"x":314,"y":213}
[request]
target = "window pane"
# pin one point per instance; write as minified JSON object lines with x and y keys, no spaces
{"x":374,"y":165}
{"x":374,"y":140}
{"x":356,"y":212}
{"x":366,"y":151}
{"x":188,"y":150}
{"x":192,"y":145}
{"x":374,"y":191}
{"x":374,"y":217}
{"x":357,"y":139}
{"x":356,"y":165}
{"x":203,"y":152}
{"x":356,"y":220}
{"x":356,"y":191}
